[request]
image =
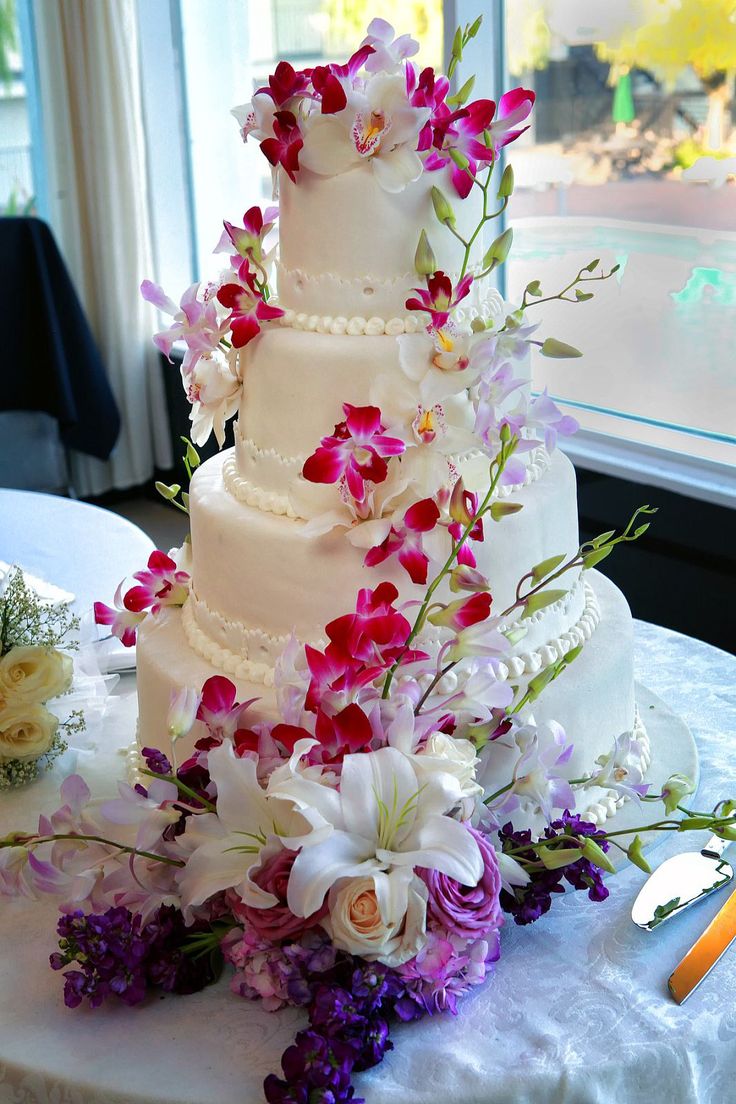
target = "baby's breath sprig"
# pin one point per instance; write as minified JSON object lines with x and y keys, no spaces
{"x":26,"y":620}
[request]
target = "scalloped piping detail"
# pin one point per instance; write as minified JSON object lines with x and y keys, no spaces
{"x":374,"y":326}
{"x":252,"y":495}
{"x":221,"y":657}
{"x":610,"y":801}
{"x":274,"y":503}
{"x":254,"y":638}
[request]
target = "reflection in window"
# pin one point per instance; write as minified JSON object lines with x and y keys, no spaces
{"x":632,"y":155}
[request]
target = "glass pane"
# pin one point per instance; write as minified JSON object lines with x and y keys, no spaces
{"x":631,"y":158}
{"x":16,"y":176}
{"x":247,"y":38}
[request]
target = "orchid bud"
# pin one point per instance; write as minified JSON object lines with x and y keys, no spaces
{"x":425,"y":261}
{"x":182,"y":712}
{"x":460,"y":500}
{"x":506,"y":187}
{"x":191,"y":456}
{"x":463,"y":613}
{"x":459,"y":158}
{"x":464,"y":577}
{"x":442,"y":208}
{"x":501,"y":510}
{"x":554,"y":858}
{"x":498,"y":250}
{"x":559,"y":350}
{"x":546,"y":567}
{"x":541,"y":600}
{"x":675,"y":788}
{"x":167,"y":491}
{"x":634,"y":852}
{"x":595,"y":854}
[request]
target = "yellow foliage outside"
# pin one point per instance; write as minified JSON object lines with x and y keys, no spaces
{"x":422,"y":19}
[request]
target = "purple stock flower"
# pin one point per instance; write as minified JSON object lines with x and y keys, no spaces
{"x":156,"y":761}
{"x":527,"y":903}
{"x":118,"y":957}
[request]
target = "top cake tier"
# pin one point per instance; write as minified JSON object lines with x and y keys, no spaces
{"x":346,"y":246}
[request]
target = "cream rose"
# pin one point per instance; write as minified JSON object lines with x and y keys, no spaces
{"x":356,"y":924}
{"x":455,"y":757}
{"x":34,"y":674}
{"x":26,"y":731}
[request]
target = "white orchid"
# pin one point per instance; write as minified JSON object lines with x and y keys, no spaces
{"x":383,"y":817}
{"x":378,"y":125}
{"x":213,"y":387}
{"x":444,"y":362}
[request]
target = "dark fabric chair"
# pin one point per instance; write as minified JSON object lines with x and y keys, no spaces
{"x":52,"y":378}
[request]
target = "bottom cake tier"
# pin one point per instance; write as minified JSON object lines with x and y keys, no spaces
{"x":593,"y":699}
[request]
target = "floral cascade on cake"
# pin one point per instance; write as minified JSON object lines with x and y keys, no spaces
{"x":33,"y":671}
{"x":349,"y":823}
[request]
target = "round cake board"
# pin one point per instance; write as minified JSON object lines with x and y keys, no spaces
{"x":673,"y":751}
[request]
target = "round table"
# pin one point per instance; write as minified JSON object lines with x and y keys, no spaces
{"x":576,"y":1013}
{"x":81,"y":548}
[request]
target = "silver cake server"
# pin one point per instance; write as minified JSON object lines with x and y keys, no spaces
{"x":681,"y":881}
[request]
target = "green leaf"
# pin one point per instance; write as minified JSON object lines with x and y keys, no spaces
{"x":166,"y":491}
{"x":425,"y":261}
{"x":590,"y":559}
{"x":558,"y":349}
{"x":534,"y":289}
{"x":499,"y":249}
{"x":501,"y":510}
{"x":546,"y":567}
{"x":506,"y":187}
{"x":675,"y":788}
{"x":541,"y":600}
{"x":635,"y":854}
{"x":615,"y":268}
{"x":595,"y":854}
{"x":583,"y":296}
{"x":442,"y":207}
{"x":592,"y":266}
{"x":556,"y":857}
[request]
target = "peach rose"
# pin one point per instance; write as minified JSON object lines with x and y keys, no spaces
{"x":34,"y":674}
{"x":26,"y":731}
{"x":356,"y":925}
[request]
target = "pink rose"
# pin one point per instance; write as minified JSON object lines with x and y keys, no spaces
{"x":471,"y":912}
{"x":278,"y":922}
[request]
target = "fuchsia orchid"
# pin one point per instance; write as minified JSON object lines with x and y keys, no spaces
{"x":195,"y":322}
{"x":287,"y":84}
{"x":513,"y":108}
{"x":388,"y":52}
{"x":223,"y":716}
{"x":247,"y":240}
{"x":330,"y":81}
{"x":248,"y":308}
{"x":463,"y":131}
{"x":356,"y":452}
{"x":283,"y":149}
{"x":439,"y":298}
{"x":161,"y":584}
{"x":406,"y":541}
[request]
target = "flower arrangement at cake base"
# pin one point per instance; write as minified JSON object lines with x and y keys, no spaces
{"x":33,"y":671}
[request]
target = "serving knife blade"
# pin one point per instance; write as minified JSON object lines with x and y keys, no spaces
{"x":705,"y":952}
{"x":680,"y":882}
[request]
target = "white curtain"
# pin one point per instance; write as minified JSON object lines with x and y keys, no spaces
{"x":96,"y":164}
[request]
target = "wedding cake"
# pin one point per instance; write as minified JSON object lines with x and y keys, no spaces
{"x":418,"y":383}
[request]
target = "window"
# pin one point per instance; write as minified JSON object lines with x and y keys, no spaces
{"x":16,"y":173}
{"x":243,"y":43}
{"x":631,"y":158}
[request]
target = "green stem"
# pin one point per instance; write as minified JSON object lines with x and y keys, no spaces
{"x":37,"y":840}
{"x":183,"y":788}
{"x":481,"y":224}
{"x":421,"y":616}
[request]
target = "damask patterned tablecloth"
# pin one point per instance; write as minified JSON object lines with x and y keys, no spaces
{"x":576,"y":1013}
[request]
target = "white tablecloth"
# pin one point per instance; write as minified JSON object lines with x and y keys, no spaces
{"x":577,"y":1012}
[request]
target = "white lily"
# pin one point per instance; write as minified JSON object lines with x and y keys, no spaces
{"x":383,"y":817}
{"x":227,"y":845}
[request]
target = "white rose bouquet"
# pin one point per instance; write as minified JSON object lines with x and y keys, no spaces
{"x":33,"y":672}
